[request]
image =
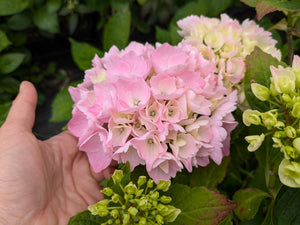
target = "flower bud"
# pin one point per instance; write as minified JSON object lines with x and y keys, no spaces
{"x":150,"y":183}
{"x":115,"y":213}
{"x":107,"y":191}
{"x":269,"y":119}
{"x":130,"y":189}
{"x":143,"y":221}
{"x":117,"y":176}
{"x":142,"y":180}
{"x":296,"y":144}
{"x":289,"y":151}
{"x":132,"y":211}
{"x":159,"y":219}
{"x":155,"y":195}
{"x":277,"y":142}
{"x":102,"y":210}
{"x":163,"y":185}
{"x":165,"y":199}
{"x":115,"y":198}
{"x":289,"y":173}
{"x":296,"y":110}
{"x":279,"y":125}
{"x":254,"y":141}
{"x":286,"y":97}
{"x":251,"y":117}
{"x":261,"y":92}
{"x":126,"y":219}
{"x":290,"y":132}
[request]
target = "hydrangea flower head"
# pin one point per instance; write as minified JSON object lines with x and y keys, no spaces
{"x":162,"y":107}
{"x":231,"y":42}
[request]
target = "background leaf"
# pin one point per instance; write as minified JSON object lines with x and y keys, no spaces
{"x":10,"y":61}
{"x":46,"y":20}
{"x":86,"y":218}
{"x":62,"y":105}
{"x":287,"y":207}
{"x":117,"y":30}
{"x":9,"y":7}
{"x":199,"y":205}
{"x":4,"y":42}
{"x":248,"y":202}
{"x":209,"y":176}
{"x":4,"y":109}
{"x":258,"y":70}
{"x":83,"y":53}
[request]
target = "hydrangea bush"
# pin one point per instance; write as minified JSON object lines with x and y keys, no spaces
{"x":167,"y":113}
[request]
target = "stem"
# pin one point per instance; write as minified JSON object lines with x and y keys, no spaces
{"x":289,"y":37}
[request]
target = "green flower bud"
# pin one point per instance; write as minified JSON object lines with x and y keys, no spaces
{"x":107,"y":191}
{"x":163,"y":185}
{"x":251,"y":117}
{"x":296,"y":144}
{"x":288,"y":151}
{"x":115,"y":198}
{"x":93,"y":209}
{"x":115,"y":213}
{"x":279,"y":125}
{"x":273,"y":90}
{"x":126,"y":219}
{"x":139,"y":192}
{"x":142,"y":180}
{"x":286,"y":84}
{"x":132,"y":211}
{"x":117,"y":176}
{"x":150,"y":183}
{"x":110,"y":221}
{"x":162,"y":209}
{"x":269,"y":119}
{"x":143,"y":221}
{"x":118,"y":221}
{"x":142,"y":203}
{"x":159,"y":219}
{"x":286,"y":97}
{"x":261,"y":92}
{"x":165,"y":199}
{"x":289,"y":173}
{"x":172,"y":214}
{"x":296,"y":110}
{"x":154,"y":196}
{"x":290,"y":132}
{"x":277,"y":142}
{"x":254,"y":141}
{"x":130,"y":188}
{"x":102,"y":210}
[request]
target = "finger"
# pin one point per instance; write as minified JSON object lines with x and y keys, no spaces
{"x":22,"y":112}
{"x":104,"y":174}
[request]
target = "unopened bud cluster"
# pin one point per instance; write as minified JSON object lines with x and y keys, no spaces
{"x":139,"y":203}
{"x":282,"y":121}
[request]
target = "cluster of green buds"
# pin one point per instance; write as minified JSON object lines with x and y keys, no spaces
{"x":140,"y":204}
{"x":282,"y":121}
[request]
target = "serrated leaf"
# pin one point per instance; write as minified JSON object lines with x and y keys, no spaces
{"x":199,"y":205}
{"x":4,"y":41}
{"x":83,"y":53}
{"x":10,"y":61}
{"x":117,"y":30}
{"x":287,"y":207}
{"x":4,"y":109}
{"x":258,"y":70}
{"x":209,"y":176}
{"x":248,"y":202}
{"x":61,"y":107}
{"x":86,"y":218}
{"x":9,"y":7}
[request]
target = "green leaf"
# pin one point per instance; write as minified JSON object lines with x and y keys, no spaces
{"x":199,"y":205}
{"x":10,"y":85}
{"x":209,"y":176}
{"x":9,"y":7}
{"x":287,"y":207}
{"x":83,"y":53}
{"x":45,"y":20}
{"x":258,"y":70}
{"x":19,"y":21}
{"x":4,"y":41}
{"x":86,"y":218}
{"x":4,"y":109}
{"x":251,"y":3}
{"x":10,"y":61}
{"x":117,"y":30}
{"x":162,"y":35}
{"x":248,"y":202}
{"x":62,"y":105}
{"x":226,"y":221}
{"x":53,"y":5}
{"x":215,"y":7}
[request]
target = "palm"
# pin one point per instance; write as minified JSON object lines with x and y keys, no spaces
{"x":43,"y":182}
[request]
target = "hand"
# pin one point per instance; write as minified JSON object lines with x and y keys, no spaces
{"x":41,"y":182}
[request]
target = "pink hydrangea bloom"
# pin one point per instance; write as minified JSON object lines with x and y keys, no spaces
{"x":227,"y":42}
{"x":163,"y":107}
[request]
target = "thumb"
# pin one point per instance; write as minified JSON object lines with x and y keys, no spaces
{"x":22,"y":112}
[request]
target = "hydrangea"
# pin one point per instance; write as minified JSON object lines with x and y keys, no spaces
{"x":163,"y":107}
{"x":227,"y":42}
{"x":282,"y":121}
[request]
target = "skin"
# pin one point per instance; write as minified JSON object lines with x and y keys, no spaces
{"x":42,"y":182}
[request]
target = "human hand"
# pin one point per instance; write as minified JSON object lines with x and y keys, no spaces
{"x":41,"y":182}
